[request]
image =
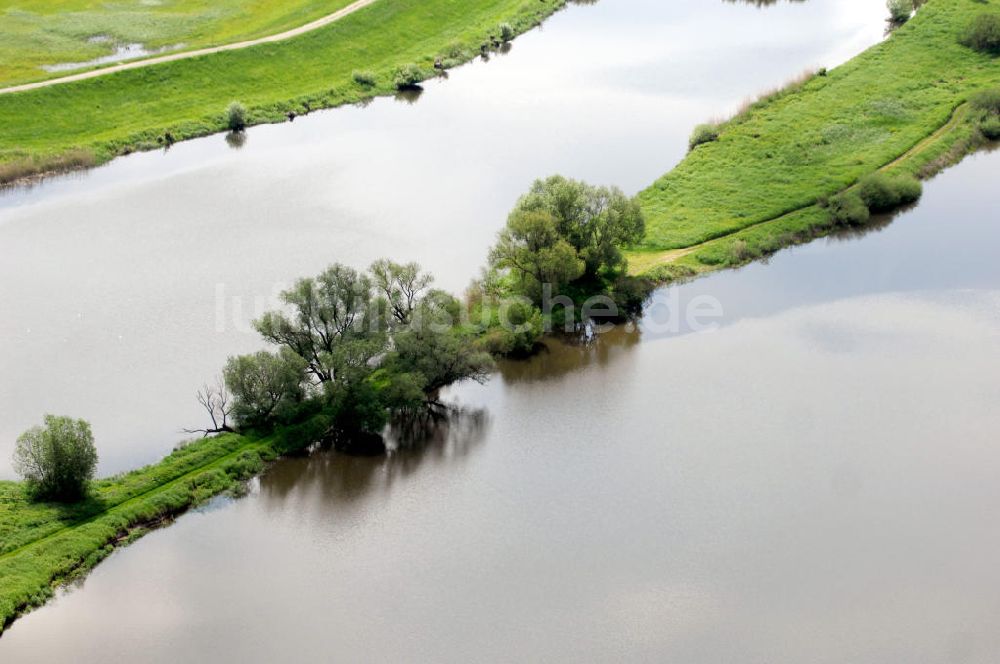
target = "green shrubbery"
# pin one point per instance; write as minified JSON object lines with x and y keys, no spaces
{"x":364,"y":78}
{"x":987,"y":101}
{"x":882,"y":192}
{"x":900,"y":10}
{"x":236,"y":116}
{"x":848,"y":209}
{"x":983,"y":34}
{"x":407,"y":76}
{"x":57,"y":461}
{"x":990,"y":128}
{"x":875,"y":193}
{"x":704,"y":133}
{"x":986,"y":105}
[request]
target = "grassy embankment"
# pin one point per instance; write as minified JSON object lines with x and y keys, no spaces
{"x":900,"y":106}
{"x":34,"y":33}
{"x":97,"y":119}
{"x":43,"y":544}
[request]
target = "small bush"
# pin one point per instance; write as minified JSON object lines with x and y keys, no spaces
{"x":900,"y":10}
{"x":740,"y":252}
{"x":57,"y":461}
{"x":990,"y":128}
{"x":506,"y":31}
{"x":407,"y":76}
{"x":983,"y":34}
{"x":364,"y":78}
{"x":848,"y":209}
{"x":987,"y":101}
{"x":702,"y":134}
{"x":236,"y":116}
{"x":669,"y":273}
{"x":882,"y":192}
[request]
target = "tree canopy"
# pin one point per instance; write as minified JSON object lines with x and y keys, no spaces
{"x":565,"y":231}
{"x":56,"y":460}
{"x":355,"y":347}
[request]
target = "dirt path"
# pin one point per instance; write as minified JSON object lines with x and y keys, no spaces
{"x":288,"y":34}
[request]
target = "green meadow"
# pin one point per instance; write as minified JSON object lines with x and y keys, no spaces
{"x":900,"y":105}
{"x":35,"y":33}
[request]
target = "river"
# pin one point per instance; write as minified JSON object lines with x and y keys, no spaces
{"x":814,"y":479}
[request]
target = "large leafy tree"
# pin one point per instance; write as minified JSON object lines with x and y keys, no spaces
{"x":264,"y":385}
{"x":400,"y":286}
{"x":333,"y":323}
{"x":56,"y":460}
{"x":596,"y":221}
{"x":436,"y":350}
{"x":535,"y":252}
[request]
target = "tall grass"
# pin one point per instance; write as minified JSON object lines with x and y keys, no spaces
{"x":32,"y":166}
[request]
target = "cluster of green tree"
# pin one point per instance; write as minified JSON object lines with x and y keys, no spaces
{"x":357,"y":349}
{"x":562,"y":246}
{"x":353,"y":349}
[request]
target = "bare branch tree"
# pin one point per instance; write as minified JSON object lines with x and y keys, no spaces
{"x":216,"y":401}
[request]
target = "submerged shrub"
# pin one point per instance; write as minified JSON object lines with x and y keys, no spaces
{"x":882,"y":192}
{"x":364,"y":77}
{"x":506,"y":31}
{"x":983,"y":34}
{"x":848,"y":209}
{"x":407,"y":76}
{"x":705,"y":133}
{"x":236,"y":116}
{"x":900,"y":10}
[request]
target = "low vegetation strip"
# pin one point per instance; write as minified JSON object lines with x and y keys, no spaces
{"x":45,"y":543}
{"x":353,"y":59}
{"x":819,"y":136}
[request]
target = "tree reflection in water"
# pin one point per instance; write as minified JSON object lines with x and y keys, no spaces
{"x":443,"y":435}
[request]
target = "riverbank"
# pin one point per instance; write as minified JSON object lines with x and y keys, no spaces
{"x":45,"y":544}
{"x":761,"y":184}
{"x":349,"y":61}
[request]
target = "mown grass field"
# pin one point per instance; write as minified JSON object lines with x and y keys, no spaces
{"x":760,"y":181}
{"x":143,"y":108}
{"x":34,"y":33}
{"x":42,"y":544}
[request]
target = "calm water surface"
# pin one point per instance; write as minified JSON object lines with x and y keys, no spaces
{"x":125,"y":288}
{"x":816,"y":480}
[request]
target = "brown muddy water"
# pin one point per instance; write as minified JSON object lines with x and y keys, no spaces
{"x":813,"y":479}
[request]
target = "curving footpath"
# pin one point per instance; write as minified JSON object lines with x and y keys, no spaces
{"x":136,"y":64}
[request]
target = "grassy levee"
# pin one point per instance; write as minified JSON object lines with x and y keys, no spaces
{"x":153,"y":106}
{"x":43,"y":544}
{"x":898,"y":105}
{"x":35,"y":33}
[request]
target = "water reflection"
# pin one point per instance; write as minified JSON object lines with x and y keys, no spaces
{"x":409,"y":96}
{"x":108,"y":272}
{"x":236,"y":139}
{"x":442,"y":435}
{"x":562,"y":356}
